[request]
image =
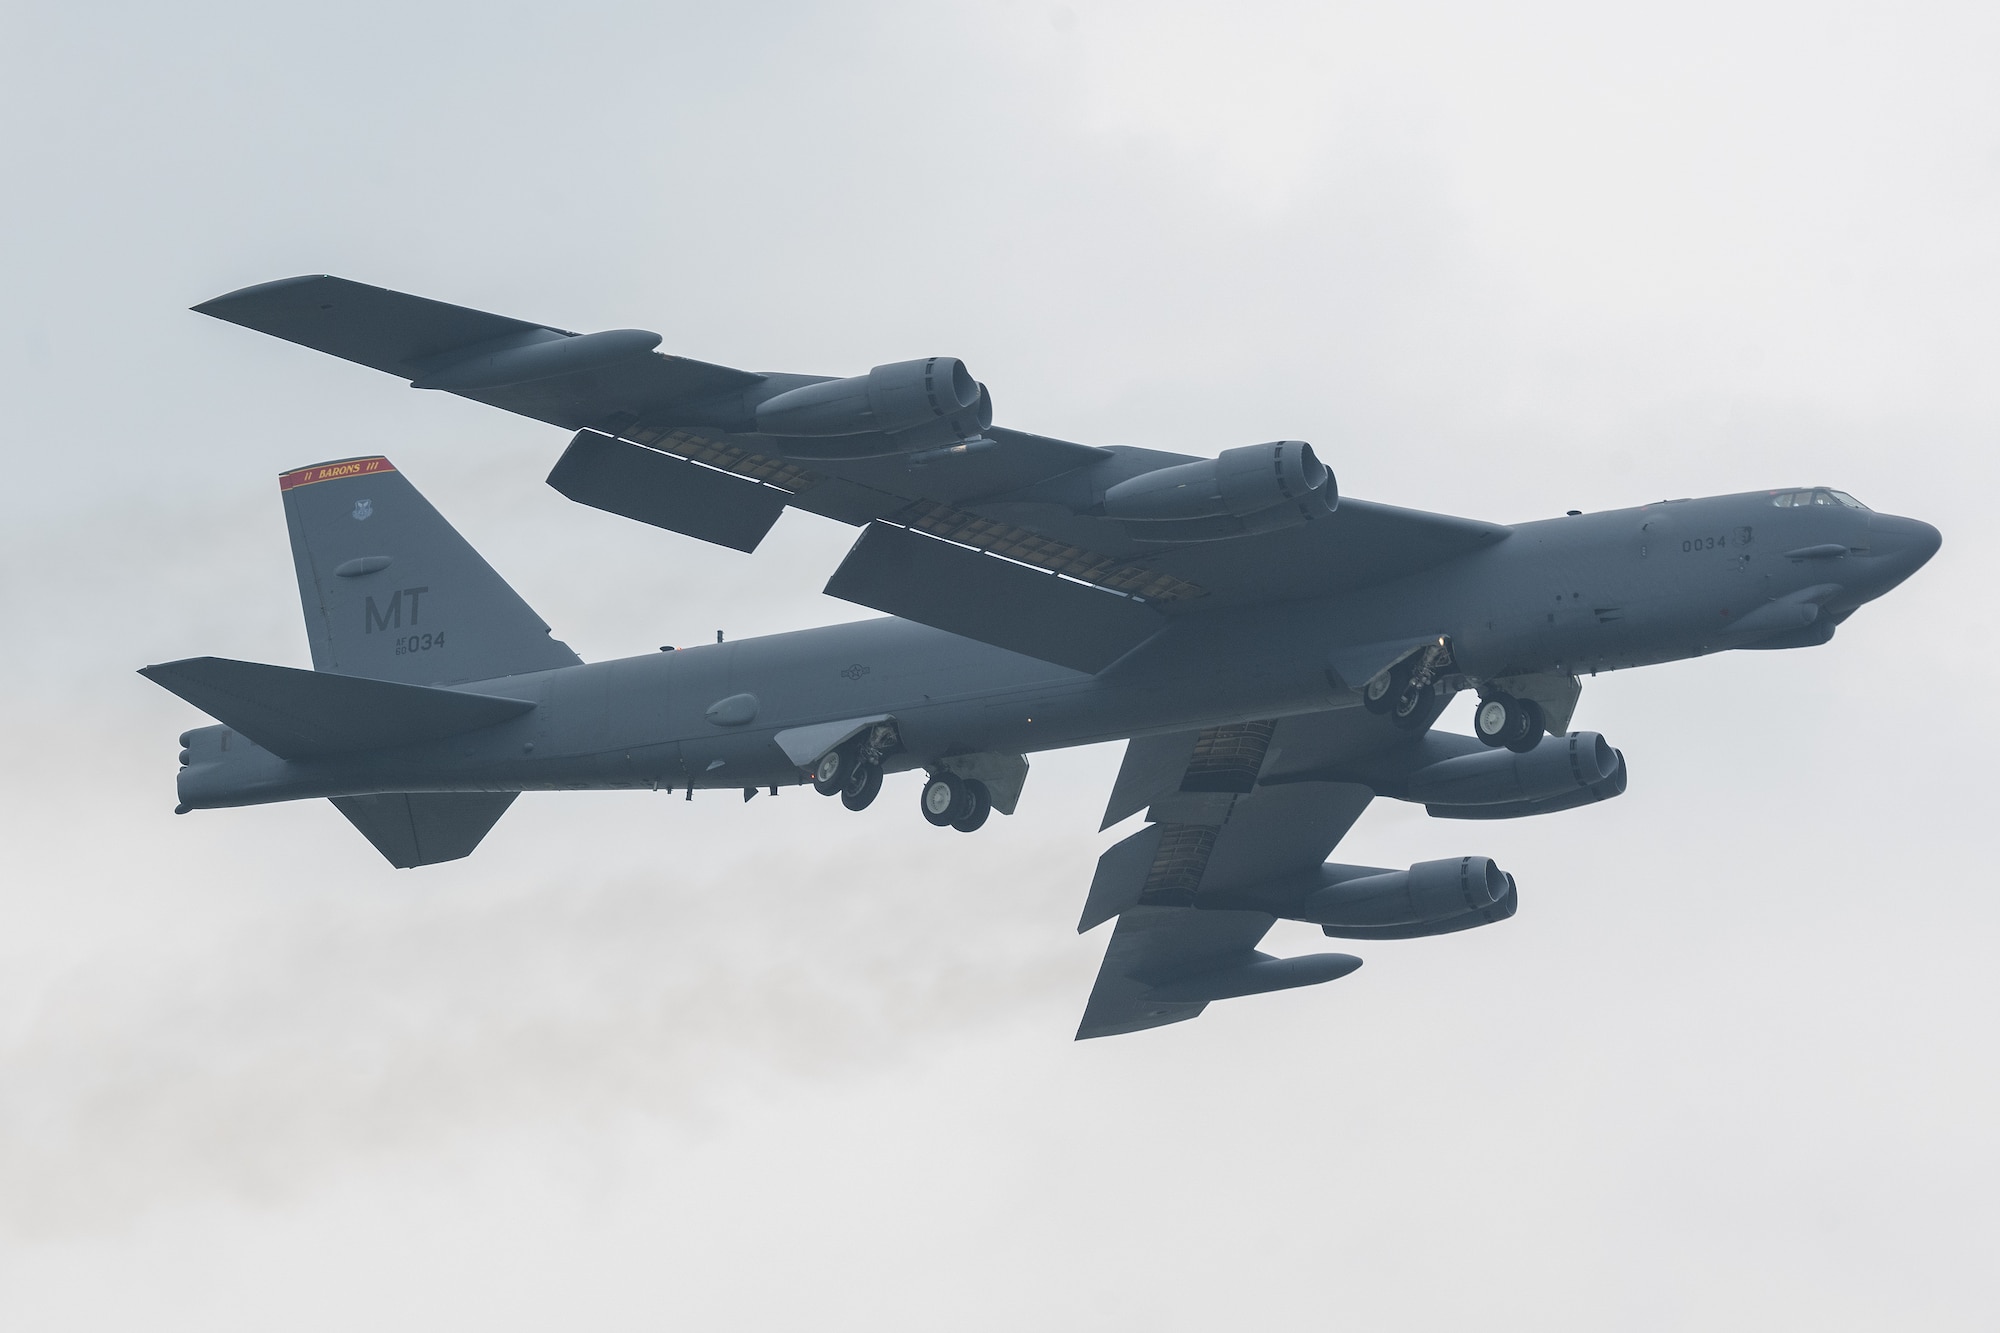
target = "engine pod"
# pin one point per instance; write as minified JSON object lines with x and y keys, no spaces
{"x":888,"y":399}
{"x":1559,"y":766}
{"x":1255,"y":488}
{"x":1427,"y":893}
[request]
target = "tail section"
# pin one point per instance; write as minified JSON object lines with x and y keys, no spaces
{"x":392,"y":592}
{"x":397,"y":604}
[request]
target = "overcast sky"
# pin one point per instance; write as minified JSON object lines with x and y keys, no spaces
{"x":641,"y":1063}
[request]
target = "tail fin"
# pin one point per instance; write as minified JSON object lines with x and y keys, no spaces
{"x":392,"y":592}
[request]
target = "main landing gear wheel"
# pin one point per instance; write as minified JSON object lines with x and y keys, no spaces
{"x":1531,"y":736}
{"x":830,"y":774}
{"x":1411,"y":709}
{"x":950,"y":801}
{"x":943,"y":799}
{"x":864,"y":782}
{"x":1501,"y":719}
{"x":982,"y":806}
{"x":1379,"y":695}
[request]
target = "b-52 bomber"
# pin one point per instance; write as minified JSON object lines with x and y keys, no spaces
{"x":1273,"y":654}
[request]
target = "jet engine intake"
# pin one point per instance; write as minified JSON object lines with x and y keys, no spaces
{"x":1559,"y":766}
{"x":1427,"y":894}
{"x":887,"y":400}
{"x":1255,"y":488}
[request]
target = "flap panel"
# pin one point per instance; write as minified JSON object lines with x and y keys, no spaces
{"x":992,"y":600}
{"x":667,"y":492}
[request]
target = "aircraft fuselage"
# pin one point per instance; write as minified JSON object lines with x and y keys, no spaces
{"x":1575,"y":595}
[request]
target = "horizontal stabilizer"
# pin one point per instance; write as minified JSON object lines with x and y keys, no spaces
{"x":994,"y":601}
{"x":667,"y":492}
{"x":424,"y":828}
{"x":308,"y":714}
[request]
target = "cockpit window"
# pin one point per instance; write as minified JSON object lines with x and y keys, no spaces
{"x":1817,"y":496}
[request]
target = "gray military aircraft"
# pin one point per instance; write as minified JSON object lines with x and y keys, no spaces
{"x":1275,"y":654}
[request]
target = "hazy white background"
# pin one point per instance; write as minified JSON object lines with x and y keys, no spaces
{"x":645,"y":1064}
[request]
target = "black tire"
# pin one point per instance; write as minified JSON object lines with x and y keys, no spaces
{"x":1534,"y":724}
{"x":830,"y":774}
{"x":864,"y":783}
{"x":1411,"y":711}
{"x":981,"y":801}
{"x":1498,"y":719}
{"x":1380,"y":693}
{"x":944,"y":800}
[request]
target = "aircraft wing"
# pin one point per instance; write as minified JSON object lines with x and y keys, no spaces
{"x":1184,"y":889}
{"x":674,"y":442}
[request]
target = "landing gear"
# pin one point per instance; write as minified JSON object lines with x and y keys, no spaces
{"x":1398,"y":695}
{"x":950,"y":801}
{"x":1380,"y":694}
{"x":1538,"y":726}
{"x":982,"y":806}
{"x":835,"y":767}
{"x":1503,"y":720}
{"x":864,"y":783}
{"x":1411,"y":708}
{"x":853,"y":770}
{"x":1405,"y":692}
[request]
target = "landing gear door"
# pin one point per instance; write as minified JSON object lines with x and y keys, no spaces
{"x":804,"y":745}
{"x":1556,"y":693}
{"x":1352,"y":668}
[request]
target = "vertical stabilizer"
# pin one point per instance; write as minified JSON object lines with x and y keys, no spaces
{"x":423,"y":828}
{"x":392,"y":592}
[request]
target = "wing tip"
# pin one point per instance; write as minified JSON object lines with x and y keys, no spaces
{"x":215,"y":306}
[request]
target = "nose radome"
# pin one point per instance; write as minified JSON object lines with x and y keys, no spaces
{"x":1897,"y":548}
{"x":1915,"y":541}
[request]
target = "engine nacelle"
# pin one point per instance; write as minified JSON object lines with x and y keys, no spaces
{"x":1252,"y":489}
{"x":1485,"y":916}
{"x":1559,"y":766}
{"x":936,"y":396}
{"x":1613,"y":785}
{"x":1429,"y":893}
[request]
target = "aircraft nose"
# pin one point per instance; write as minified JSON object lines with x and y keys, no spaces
{"x":1901,"y":546}
{"x":1909,"y":538}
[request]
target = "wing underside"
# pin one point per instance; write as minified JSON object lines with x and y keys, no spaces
{"x":1185,"y":889}
{"x":663,"y":439}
